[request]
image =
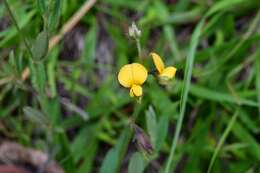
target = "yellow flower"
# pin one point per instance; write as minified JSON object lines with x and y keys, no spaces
{"x":166,"y":73}
{"x":133,"y":76}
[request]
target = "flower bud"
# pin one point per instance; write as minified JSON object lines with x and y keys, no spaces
{"x":134,"y":31}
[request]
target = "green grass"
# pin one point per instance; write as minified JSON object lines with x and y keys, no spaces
{"x":185,"y":91}
{"x":205,"y":120}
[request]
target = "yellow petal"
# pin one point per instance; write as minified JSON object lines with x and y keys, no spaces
{"x":139,"y":73}
{"x":136,"y":91}
{"x":158,"y":62}
{"x":125,"y":77}
{"x":130,"y":74}
{"x":169,"y":72}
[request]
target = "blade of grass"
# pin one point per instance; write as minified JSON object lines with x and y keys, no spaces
{"x":242,"y":41}
{"x":223,"y":5}
{"x":184,"y":17}
{"x":222,"y":140}
{"x":171,"y":38}
{"x":233,"y":74}
{"x":209,"y":94}
{"x":257,"y":80}
{"x":18,"y":28}
{"x":241,"y":133}
{"x":185,"y":91}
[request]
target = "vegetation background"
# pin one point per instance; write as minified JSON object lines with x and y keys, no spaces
{"x":69,"y":104}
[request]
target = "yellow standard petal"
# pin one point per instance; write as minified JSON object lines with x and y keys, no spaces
{"x":136,"y":91}
{"x":125,"y":77}
{"x":158,"y":62}
{"x":169,"y":72}
{"x":131,"y":74}
{"x":139,"y":73}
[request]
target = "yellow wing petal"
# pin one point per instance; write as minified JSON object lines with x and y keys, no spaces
{"x":136,"y":91}
{"x":125,"y":76}
{"x":139,"y":73}
{"x":157,"y":62}
{"x":169,"y":72}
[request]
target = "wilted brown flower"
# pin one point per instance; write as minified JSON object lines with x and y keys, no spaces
{"x":143,"y":141}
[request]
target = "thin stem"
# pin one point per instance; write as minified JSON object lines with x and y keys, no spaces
{"x":18,"y":28}
{"x":139,"y":49}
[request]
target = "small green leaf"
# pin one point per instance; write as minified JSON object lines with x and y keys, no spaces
{"x":137,"y":163}
{"x":151,"y":124}
{"x":109,"y":161}
{"x":162,"y":129}
{"x":40,"y":46}
{"x":114,"y":156}
{"x":36,"y":116}
{"x":38,"y":76}
{"x":74,"y":108}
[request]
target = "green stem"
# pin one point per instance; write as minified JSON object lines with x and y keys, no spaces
{"x":139,"y":49}
{"x":129,"y":131}
{"x":185,"y":91}
{"x":18,"y":28}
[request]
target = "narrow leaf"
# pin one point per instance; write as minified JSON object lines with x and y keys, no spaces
{"x":41,"y":6}
{"x":151,"y":124}
{"x":36,"y":116}
{"x":40,"y":46}
{"x":55,"y":13}
{"x":137,"y":163}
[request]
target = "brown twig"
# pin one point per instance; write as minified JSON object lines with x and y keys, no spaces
{"x":71,"y":22}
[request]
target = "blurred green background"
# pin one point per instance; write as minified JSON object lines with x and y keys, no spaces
{"x":72,"y":106}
